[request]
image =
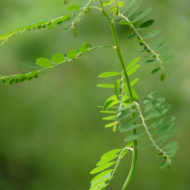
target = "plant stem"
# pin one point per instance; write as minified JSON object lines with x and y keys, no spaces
{"x":118,"y":50}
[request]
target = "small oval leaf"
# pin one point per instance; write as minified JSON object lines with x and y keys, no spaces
{"x":72,"y":54}
{"x":85,"y":47}
{"x":43,"y":62}
{"x":121,"y":3}
{"x":146,"y":24}
{"x":108,"y":3}
{"x":117,"y":88}
{"x":73,"y":8}
{"x":162,"y":77}
{"x":156,"y":70}
{"x":58,"y":58}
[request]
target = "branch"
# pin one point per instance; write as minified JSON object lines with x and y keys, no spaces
{"x":49,"y":23}
{"x":14,"y":79}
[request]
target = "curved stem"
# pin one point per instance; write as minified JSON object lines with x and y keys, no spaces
{"x":118,"y":162}
{"x":118,"y":50}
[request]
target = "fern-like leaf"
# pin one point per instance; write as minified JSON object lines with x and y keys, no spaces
{"x":156,"y":50}
{"x":69,"y":19}
{"x":149,"y":109}
{"x":104,"y":173}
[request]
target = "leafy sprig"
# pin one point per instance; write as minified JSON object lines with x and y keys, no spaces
{"x":127,"y":113}
{"x":154,"y":54}
{"x":43,"y":64}
{"x":71,"y":19}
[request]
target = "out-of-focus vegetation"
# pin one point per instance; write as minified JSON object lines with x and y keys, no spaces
{"x":52,"y":133}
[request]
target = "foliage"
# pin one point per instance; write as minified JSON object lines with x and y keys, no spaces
{"x":127,"y":114}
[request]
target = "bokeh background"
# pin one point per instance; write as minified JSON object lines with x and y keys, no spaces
{"x":51,"y":131}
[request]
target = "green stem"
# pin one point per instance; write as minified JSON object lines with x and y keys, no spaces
{"x":118,"y":50}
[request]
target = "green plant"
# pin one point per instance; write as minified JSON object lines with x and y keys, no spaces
{"x":125,"y":102}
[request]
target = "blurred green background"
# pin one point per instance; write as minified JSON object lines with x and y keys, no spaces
{"x":52,"y":133}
